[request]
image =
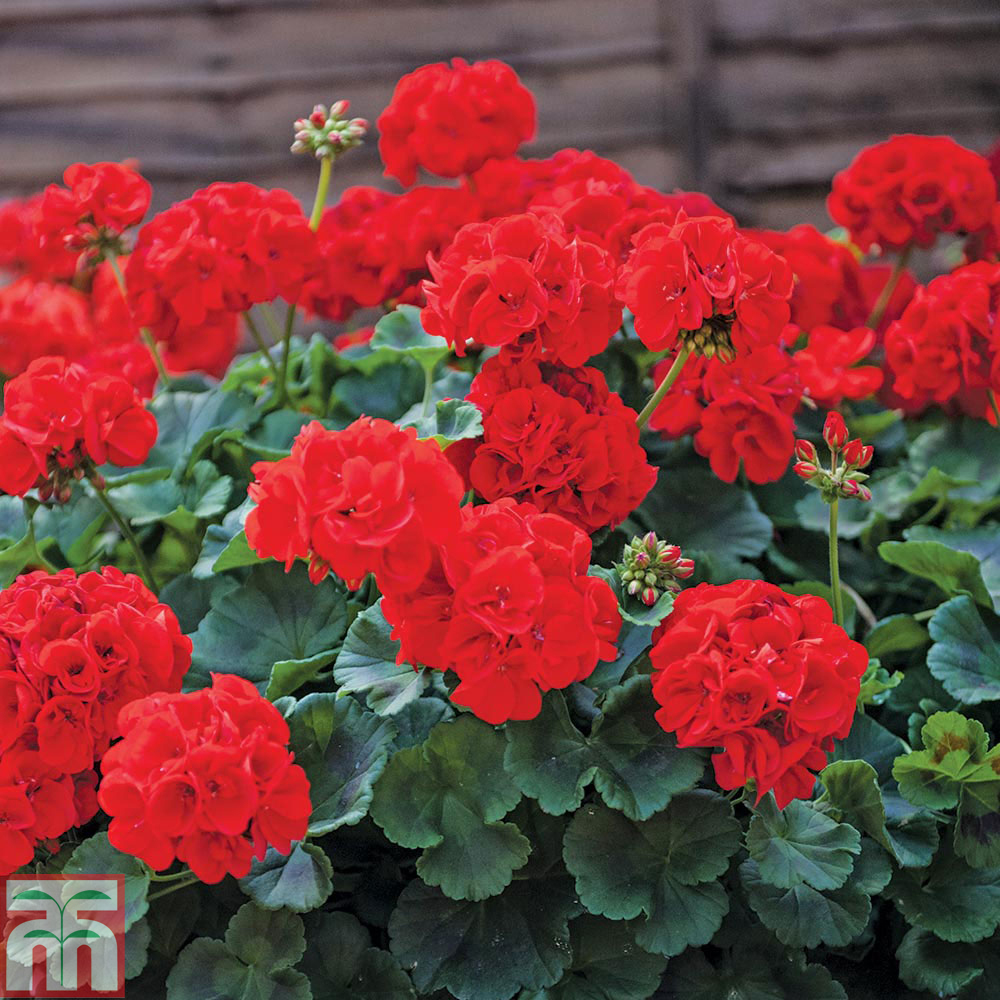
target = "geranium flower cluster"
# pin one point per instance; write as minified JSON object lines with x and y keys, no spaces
{"x":449,"y":120}
{"x":60,"y":421}
{"x":909,"y":189}
{"x":522,"y":280}
{"x":509,"y":607}
{"x":208,"y":258}
{"x":206,"y":778}
{"x":98,"y":203}
{"x":763,"y":675}
{"x":945,"y":348}
{"x":373,"y":246}
{"x":74,"y":650}
{"x":370,"y":498}
{"x":559,"y":438}
{"x":739,"y":413}
{"x":702,"y":282}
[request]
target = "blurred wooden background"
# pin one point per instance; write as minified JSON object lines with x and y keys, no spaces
{"x":757,"y":102}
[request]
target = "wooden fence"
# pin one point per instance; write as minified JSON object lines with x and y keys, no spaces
{"x":757,"y":102}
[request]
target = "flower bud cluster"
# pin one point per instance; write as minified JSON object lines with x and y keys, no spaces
{"x":650,"y":566}
{"x":328,"y":132}
{"x":844,"y":479}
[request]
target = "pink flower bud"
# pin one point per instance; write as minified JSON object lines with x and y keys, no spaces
{"x":684,"y":568}
{"x":641,"y":559}
{"x":649,"y":597}
{"x":863,"y":492}
{"x":649,"y":540}
{"x":98,"y":481}
{"x":634,"y":587}
{"x":804,"y":470}
{"x":670,"y":554}
{"x":835,"y":431}
{"x":806,"y":451}
{"x":339,"y":108}
{"x":849,"y":488}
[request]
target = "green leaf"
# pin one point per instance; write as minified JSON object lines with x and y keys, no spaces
{"x":367,"y":665}
{"x":977,"y":826}
{"x":191,"y":423}
{"x":341,"y":963}
{"x":236,"y":554}
{"x":137,"y":940}
{"x":301,"y":880}
{"x":606,"y":965}
{"x":635,"y":766}
{"x":983,"y":542}
{"x":928,"y":963}
{"x":402,"y":331}
{"x":657,"y":869}
{"x":344,"y":750}
{"x":699,"y":513}
{"x":96,"y":856}
{"x":273,"y":618}
{"x":253,"y":963}
{"x":799,"y":844}
{"x":950,"y":898}
{"x":800,"y":916}
{"x":896,"y":634}
{"x":965,"y":656}
{"x":448,"y":796}
{"x":967,"y":450}
{"x":953,"y":571}
{"x":954,"y":748}
{"x":450,"y":420}
{"x":853,"y":789}
{"x":487,"y":949}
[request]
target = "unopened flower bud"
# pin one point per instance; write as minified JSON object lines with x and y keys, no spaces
{"x":650,"y":541}
{"x":45,"y":492}
{"x":64,"y":493}
{"x":684,"y":568}
{"x":805,"y":470}
{"x":649,"y":597}
{"x":670,"y":553}
{"x":835,"y":431}
{"x":641,"y":559}
{"x":858,"y":455}
{"x":634,"y":587}
{"x":864,"y":493}
{"x":849,"y":488}
{"x":339,"y":108}
{"x":98,"y":481}
{"x":805,"y":451}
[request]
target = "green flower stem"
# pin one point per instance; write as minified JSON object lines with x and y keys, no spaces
{"x":838,"y":596}
{"x":129,"y":535}
{"x":882,"y":303}
{"x":30,"y":506}
{"x":184,"y":873}
{"x":271,"y":320}
{"x":144,"y":332}
{"x":259,"y":341}
{"x":428,"y":390}
{"x":319,"y":203}
{"x":174,"y":886}
{"x":664,"y":387}
{"x":993,"y":405}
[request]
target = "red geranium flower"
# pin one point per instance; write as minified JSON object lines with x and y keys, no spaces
{"x":909,"y":189}
{"x":828,"y":365}
{"x":557,"y":437}
{"x":522,"y":279}
{"x":765,"y":676}
{"x":450,"y":120}
{"x":206,"y":778}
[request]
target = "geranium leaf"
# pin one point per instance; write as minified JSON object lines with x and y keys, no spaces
{"x":367,"y":665}
{"x":800,"y":844}
{"x":853,"y":789}
{"x":983,"y":542}
{"x":607,"y":965}
{"x":482,"y":950}
{"x":650,"y":869}
{"x":802,"y":917}
{"x":635,"y":766}
{"x":965,"y":656}
{"x":343,"y":749}
{"x":953,"y":571}
{"x":928,"y":963}
{"x":949,"y":898}
{"x":273,"y":617}
{"x":447,"y":796}
{"x":300,"y":881}
{"x":96,"y":856}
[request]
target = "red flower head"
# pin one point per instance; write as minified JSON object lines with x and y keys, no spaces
{"x":945,"y":348}
{"x":370,"y":498}
{"x":828,"y":286}
{"x":450,"y":120}
{"x":67,"y":419}
{"x":909,"y":189}
{"x":765,"y":676}
{"x":559,"y":438}
{"x":373,"y":246}
{"x":522,"y":279}
{"x":29,"y":246}
{"x":703,"y":282}
{"x":508,"y":606}
{"x":827,"y":365}
{"x":39,"y":318}
{"x":73,"y":651}
{"x":206,"y":778}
